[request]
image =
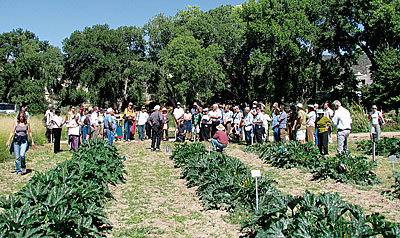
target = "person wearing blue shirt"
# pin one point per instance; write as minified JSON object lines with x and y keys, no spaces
{"x":275,"y":125}
{"x":109,"y":125}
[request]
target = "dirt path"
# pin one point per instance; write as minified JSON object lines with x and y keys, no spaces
{"x":295,"y":182}
{"x":155,"y":202}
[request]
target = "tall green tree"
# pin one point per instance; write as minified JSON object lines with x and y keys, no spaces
{"x":109,"y":64}
{"x":28,"y":67}
{"x":191,"y":71}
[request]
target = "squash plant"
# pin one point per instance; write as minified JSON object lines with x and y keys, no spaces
{"x":343,"y":167}
{"x":222,"y":181}
{"x":309,"y":215}
{"x":395,"y":193}
{"x":385,"y":146}
{"x":67,"y":201}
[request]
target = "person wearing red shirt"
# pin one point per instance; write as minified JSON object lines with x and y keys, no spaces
{"x":220,"y":138}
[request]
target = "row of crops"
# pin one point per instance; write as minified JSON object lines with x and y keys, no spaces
{"x":224,"y":182}
{"x":68,"y":200}
{"x":344,"y":168}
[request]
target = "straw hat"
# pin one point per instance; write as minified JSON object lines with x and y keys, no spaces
{"x":220,"y":127}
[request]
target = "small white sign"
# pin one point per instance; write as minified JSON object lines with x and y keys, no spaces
{"x":209,"y":148}
{"x":392,"y":158}
{"x":255,"y":173}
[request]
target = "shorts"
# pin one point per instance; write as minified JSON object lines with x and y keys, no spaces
{"x":196,"y":129}
{"x":188,"y":126}
{"x":301,"y":135}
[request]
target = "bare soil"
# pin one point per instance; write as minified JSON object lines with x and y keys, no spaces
{"x":155,"y":201}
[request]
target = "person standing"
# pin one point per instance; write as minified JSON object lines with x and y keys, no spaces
{"x":101,"y":116}
{"x":48,"y":115}
{"x":248,"y":125}
{"x":58,"y":123}
{"x":282,"y":123}
{"x":109,"y":125}
{"x":328,"y":112}
{"x":165,"y":125}
{"x":237,"y":124}
{"x":142,"y":117}
{"x":258,"y":125}
{"x":73,"y":131}
{"x":216,"y":117}
{"x":156,"y":120}
{"x":94,"y":119}
{"x":118,"y":119}
{"x":275,"y":124}
{"x":196,"y":125}
{"x":323,"y":124}
{"x":128,"y":116}
{"x":220,"y":139}
{"x":266,"y":120}
{"x":310,"y":124}
{"x":20,"y":131}
{"x":85,"y":126}
{"x":187,"y":118}
{"x":316,"y":106}
{"x":376,"y":119}
{"x":228,"y":119}
{"x":300,"y":124}
{"x":342,"y":120}
{"x":292,"y":120}
{"x":178,"y":114}
{"x":205,"y":126}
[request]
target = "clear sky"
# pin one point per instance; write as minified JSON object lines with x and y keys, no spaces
{"x":55,"y":20}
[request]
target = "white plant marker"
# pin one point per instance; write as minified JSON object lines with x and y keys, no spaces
{"x":393,"y":159}
{"x":256,"y":174}
{"x":209,"y":148}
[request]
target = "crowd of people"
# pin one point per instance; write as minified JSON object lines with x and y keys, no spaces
{"x":218,"y":125}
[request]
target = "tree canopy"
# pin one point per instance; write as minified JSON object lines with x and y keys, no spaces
{"x":267,"y":50}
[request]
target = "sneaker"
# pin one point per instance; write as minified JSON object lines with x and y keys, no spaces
{"x":158,"y":150}
{"x":152,"y":149}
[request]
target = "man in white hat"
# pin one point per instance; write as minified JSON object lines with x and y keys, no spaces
{"x":156,"y":121}
{"x":215,"y":116}
{"x":342,"y":120}
{"x":300,"y":124}
{"x":220,"y":139}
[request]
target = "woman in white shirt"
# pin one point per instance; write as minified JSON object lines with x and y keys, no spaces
{"x":58,"y":122}
{"x":375,"y":116}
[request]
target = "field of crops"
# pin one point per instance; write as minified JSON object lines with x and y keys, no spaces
{"x":188,"y":192}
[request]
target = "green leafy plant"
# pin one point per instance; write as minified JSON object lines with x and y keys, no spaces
{"x":309,"y":215}
{"x":346,"y":168}
{"x":343,"y":167}
{"x":385,"y":146}
{"x":395,"y":193}
{"x":222,"y":181}
{"x":67,"y":201}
